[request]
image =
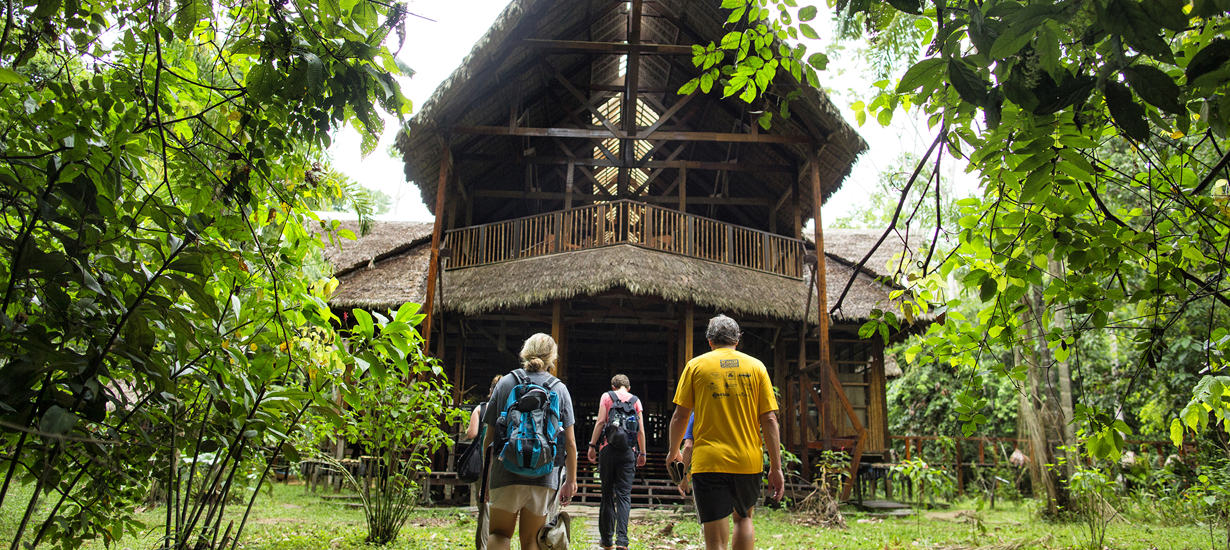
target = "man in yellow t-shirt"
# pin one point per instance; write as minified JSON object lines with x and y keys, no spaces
{"x":733,"y":400}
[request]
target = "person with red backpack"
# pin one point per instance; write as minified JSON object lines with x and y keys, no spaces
{"x":618,"y":447}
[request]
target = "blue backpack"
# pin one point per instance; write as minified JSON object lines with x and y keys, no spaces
{"x":529,"y":427}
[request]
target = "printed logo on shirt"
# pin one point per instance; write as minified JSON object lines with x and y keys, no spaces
{"x":729,"y":363}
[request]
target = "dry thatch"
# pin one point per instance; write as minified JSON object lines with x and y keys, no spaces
{"x":386,"y":239}
{"x":391,"y":283}
{"x":402,"y":252}
{"x":500,"y":72}
{"x":893,"y":258}
{"x":538,"y":280}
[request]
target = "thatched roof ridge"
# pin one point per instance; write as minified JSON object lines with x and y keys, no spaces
{"x":386,"y":239}
{"x":388,"y":285}
{"x":891,"y":260}
{"x":498,"y":57}
{"x":533,"y":281}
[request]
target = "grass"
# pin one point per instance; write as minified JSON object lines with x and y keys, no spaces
{"x":290,"y":519}
{"x":1014,"y":527}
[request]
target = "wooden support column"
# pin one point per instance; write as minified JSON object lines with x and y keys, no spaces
{"x":437,"y":234}
{"x":804,"y":410}
{"x":822,"y":332}
{"x":560,"y":335}
{"x":568,"y":186}
{"x":632,"y":82}
{"x":689,"y":332}
{"x":459,"y":380}
{"x":683,"y":188}
{"x":796,"y":210}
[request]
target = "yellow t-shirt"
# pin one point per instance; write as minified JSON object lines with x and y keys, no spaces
{"x":728,"y":391}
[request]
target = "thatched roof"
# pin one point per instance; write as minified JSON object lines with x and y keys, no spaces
{"x":391,"y":283}
{"x":675,"y":278}
{"x":386,"y":240}
{"x":532,"y":281}
{"x":501,"y":73}
{"x":892,"y":259}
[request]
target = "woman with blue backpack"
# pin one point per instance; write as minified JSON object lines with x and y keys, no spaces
{"x":534,"y":459}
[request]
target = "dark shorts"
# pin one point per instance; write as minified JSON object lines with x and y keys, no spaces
{"x":717,"y":495}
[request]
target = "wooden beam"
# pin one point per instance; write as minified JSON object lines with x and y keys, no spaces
{"x":584,"y":101}
{"x":667,"y":135}
{"x":651,"y":164}
{"x":683,"y":188}
{"x":557,"y":333}
{"x":613,"y":48}
{"x":671,"y":112}
{"x":437,"y":232}
{"x":689,"y":330}
{"x":555,"y":195}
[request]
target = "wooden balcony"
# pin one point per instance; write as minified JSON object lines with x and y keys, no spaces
{"x":625,"y":222}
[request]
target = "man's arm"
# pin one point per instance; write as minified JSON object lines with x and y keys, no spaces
{"x":592,"y":452}
{"x":679,"y":424}
{"x":640,"y":437}
{"x":773,"y":444}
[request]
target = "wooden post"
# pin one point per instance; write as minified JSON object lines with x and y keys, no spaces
{"x":796,"y":208}
{"x":557,"y":333}
{"x":436,"y":234}
{"x":568,"y":187}
{"x":804,"y":413}
{"x":822,"y":301}
{"x":683,"y":188}
{"x":459,"y":381}
{"x":689,"y":332}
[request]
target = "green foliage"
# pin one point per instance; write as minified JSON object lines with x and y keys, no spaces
{"x":1092,"y":493}
{"x":927,"y":484}
{"x":156,"y":331}
{"x":1097,"y":128}
{"x":397,"y":402}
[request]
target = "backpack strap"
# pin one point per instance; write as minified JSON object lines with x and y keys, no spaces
{"x":522,"y":376}
{"x":633,"y":401}
{"x":614,"y":397}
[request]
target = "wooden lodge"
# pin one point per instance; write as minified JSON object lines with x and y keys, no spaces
{"x":576,"y":193}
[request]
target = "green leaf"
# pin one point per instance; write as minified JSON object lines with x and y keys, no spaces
{"x":971,"y":87}
{"x":188,"y":14}
{"x":818,"y":60}
{"x":988,"y":289}
{"x":366,"y":327}
{"x":1208,"y":59}
{"x":9,"y":76}
{"x":1021,"y":31}
{"x":1176,"y":432}
{"x":1155,"y":87}
{"x":57,"y":421}
{"x":921,"y":74}
{"x":808,"y":13}
{"x":1167,"y":13}
{"x":1128,"y":114}
{"x":913,"y":7}
{"x":808,"y":31}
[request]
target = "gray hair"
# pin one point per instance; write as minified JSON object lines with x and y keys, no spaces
{"x":723,"y":330}
{"x":539,"y":353}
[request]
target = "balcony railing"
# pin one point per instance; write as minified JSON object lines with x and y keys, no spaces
{"x":625,"y":222}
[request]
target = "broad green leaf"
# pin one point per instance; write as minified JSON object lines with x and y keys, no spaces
{"x":1128,"y":114}
{"x":921,"y":74}
{"x":9,"y":76}
{"x":1155,"y":87}
{"x":808,"y":31}
{"x":807,"y":13}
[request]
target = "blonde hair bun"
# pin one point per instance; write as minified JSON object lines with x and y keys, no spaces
{"x":539,"y":353}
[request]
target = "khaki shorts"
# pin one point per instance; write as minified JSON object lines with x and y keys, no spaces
{"x":535,"y":501}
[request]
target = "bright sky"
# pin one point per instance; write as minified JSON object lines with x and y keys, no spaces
{"x":435,"y":48}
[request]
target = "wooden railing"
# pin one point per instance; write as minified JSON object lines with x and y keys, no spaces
{"x":625,"y":222}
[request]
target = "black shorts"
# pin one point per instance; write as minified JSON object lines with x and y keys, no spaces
{"x":717,"y":495}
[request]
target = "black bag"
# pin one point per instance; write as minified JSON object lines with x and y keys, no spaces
{"x":470,"y":464}
{"x":621,"y":423}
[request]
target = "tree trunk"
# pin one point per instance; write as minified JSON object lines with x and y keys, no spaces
{"x":1066,"y":411}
